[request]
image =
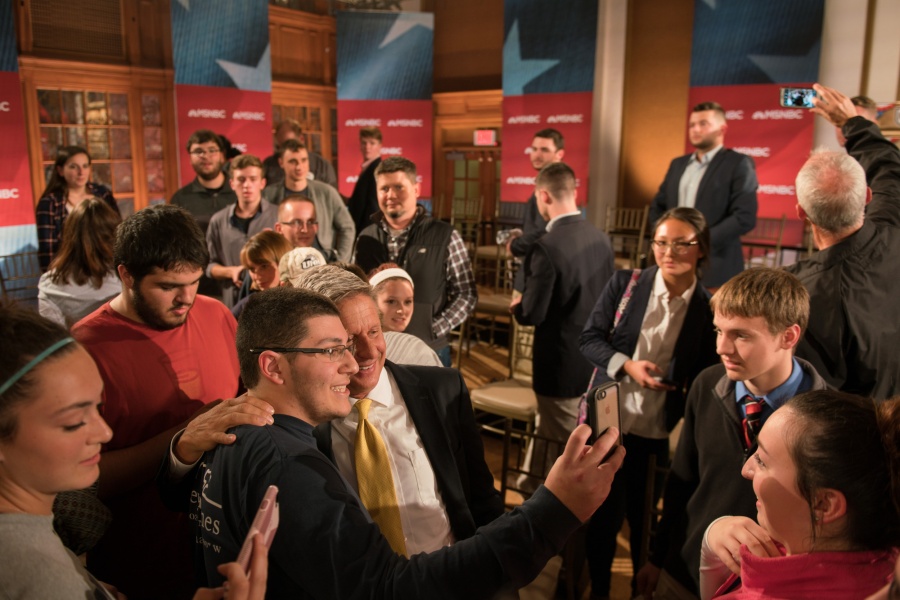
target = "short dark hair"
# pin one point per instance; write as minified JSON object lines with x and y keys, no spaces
{"x":695,"y":219}
{"x":163,"y":237}
{"x":850,"y":444}
{"x":714,"y":106}
{"x":552,"y":134}
{"x":558,"y":179}
{"x":370,"y":132}
{"x":201,"y":136}
{"x":292,"y":145}
{"x":293,"y":124}
{"x":397,"y":164}
{"x":25,"y":334}
{"x":864,"y":102}
{"x":246,"y":160}
{"x":276,"y":318}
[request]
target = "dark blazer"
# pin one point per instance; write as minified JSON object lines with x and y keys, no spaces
{"x":363,"y":202}
{"x":438,"y":402}
{"x":533,"y":227}
{"x":566,"y":270}
{"x":727,"y":198}
{"x":695,"y":348}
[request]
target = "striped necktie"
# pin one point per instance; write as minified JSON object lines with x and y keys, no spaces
{"x":375,"y":480}
{"x":752,"y":423}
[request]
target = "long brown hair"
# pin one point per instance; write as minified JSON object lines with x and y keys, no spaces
{"x":86,"y":251}
{"x":57,"y":182}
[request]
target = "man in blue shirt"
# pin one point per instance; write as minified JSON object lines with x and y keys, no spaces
{"x":760,"y":316}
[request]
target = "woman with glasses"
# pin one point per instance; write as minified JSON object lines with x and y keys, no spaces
{"x":651,"y":331}
{"x":70,"y":184}
{"x":826,"y":476}
{"x":51,"y":432}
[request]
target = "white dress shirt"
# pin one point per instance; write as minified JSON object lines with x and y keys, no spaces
{"x":692,"y":176}
{"x":643,"y":409}
{"x":426,"y":526}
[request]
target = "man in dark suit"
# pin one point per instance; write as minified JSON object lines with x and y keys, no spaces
{"x":566,"y":270}
{"x":717,"y":181}
{"x":548,"y":146}
{"x":444,"y":488}
{"x":363,"y":203}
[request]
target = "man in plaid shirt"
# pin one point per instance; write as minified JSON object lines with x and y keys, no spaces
{"x":431,"y":251}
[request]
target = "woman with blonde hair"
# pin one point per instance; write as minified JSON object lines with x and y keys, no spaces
{"x":260,"y":256}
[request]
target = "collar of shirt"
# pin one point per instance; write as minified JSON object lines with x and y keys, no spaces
{"x":554,"y":220}
{"x":779,"y":395}
{"x":706,"y":158}
{"x":366,"y":163}
{"x":382,"y":393}
{"x":660,"y":289}
{"x":259,"y":208}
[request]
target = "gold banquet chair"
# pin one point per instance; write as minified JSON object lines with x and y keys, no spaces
{"x":512,"y":399}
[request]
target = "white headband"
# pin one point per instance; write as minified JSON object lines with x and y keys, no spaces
{"x":388,"y":274}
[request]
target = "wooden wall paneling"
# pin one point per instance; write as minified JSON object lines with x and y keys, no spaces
{"x":456,"y":116}
{"x":655,"y":111}
{"x":302,"y":46}
{"x":38,"y":73}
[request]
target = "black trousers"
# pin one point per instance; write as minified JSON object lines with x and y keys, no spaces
{"x":625,"y":500}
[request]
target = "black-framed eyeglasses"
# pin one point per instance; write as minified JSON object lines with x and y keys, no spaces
{"x":204,"y":151}
{"x":677,"y":247}
{"x":333,"y":354}
{"x":301,"y":224}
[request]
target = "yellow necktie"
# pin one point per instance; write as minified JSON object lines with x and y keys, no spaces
{"x":375,"y":480}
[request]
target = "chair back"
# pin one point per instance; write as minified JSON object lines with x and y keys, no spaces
{"x":626,"y":228}
{"x":465,"y":216}
{"x":762,"y":244}
{"x":521,"y":352}
{"x":19,"y":276}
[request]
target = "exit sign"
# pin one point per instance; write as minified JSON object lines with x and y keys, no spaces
{"x":485,"y":137}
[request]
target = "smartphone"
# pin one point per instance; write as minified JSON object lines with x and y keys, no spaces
{"x":603,"y":408}
{"x":264,"y":523}
{"x":797,"y":97}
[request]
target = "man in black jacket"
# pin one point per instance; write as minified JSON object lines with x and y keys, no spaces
{"x":852,"y":280}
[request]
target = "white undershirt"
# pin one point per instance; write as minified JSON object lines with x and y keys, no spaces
{"x":426,"y":526}
{"x":643,"y":410}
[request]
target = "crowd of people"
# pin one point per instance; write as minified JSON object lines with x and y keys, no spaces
{"x":246,"y":335}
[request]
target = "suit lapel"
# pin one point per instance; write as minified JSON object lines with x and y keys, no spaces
{"x":433,"y":433}
{"x":708,"y":177}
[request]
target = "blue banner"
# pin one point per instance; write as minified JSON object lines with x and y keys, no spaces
{"x":764,"y":41}
{"x":385,"y":56}
{"x":222,"y":43}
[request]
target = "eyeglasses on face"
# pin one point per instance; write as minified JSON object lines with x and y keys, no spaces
{"x":301,"y":224}
{"x":677,"y":247}
{"x":332,"y":354}
{"x":204,"y":151}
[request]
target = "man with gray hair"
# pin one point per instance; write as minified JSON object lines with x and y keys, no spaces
{"x":852,"y":280}
{"x":444,"y":489}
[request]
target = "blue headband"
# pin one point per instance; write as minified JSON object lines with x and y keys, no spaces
{"x":33,"y":363}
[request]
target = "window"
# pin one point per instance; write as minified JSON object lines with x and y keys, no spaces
{"x":98,"y":122}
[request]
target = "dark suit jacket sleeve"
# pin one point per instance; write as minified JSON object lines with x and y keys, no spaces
{"x":881,"y":160}
{"x":741,"y":212}
{"x":594,"y":340}
{"x":680,"y":484}
{"x":540,"y":277}
{"x":533,"y":227}
{"x":483,"y":498}
{"x":662,"y":201}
